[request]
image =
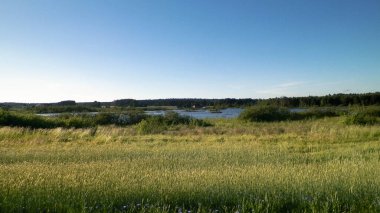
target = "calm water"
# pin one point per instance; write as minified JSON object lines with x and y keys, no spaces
{"x":297,"y":109}
{"x":224,"y":113}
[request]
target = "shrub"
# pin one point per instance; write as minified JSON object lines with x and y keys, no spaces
{"x":371,"y":111}
{"x":26,"y":120}
{"x":159,"y":123}
{"x":3,"y":117}
{"x":131,"y":117}
{"x":79,"y":122}
{"x":265,"y":113}
{"x":360,"y":118}
{"x":172,"y":118}
{"x":270,"y":114}
{"x":363,"y":116}
{"x":153,"y":124}
{"x":314,"y":113}
{"x":121,"y":119}
{"x":105,"y":118}
{"x":199,"y":123}
{"x":68,"y":120}
{"x":36,"y":121}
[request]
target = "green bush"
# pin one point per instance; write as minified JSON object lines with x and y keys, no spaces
{"x":27,"y":120}
{"x":67,"y":120}
{"x":120,"y":119}
{"x":159,"y":123}
{"x":151,"y":125}
{"x":131,"y":117}
{"x":265,"y":113}
{"x":363,"y":115}
{"x":199,"y":123}
{"x":360,"y":118}
{"x":105,"y":118}
{"x":314,"y":113}
{"x":79,"y":122}
{"x":172,"y":118}
{"x":371,"y":111}
{"x":271,"y":114}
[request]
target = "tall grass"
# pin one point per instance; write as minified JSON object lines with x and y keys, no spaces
{"x":157,"y":124}
{"x":313,"y":165}
{"x":363,"y":116}
{"x":357,"y":115}
{"x":149,"y":124}
{"x":272,"y":114}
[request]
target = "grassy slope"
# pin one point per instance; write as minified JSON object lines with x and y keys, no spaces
{"x":319,"y":165}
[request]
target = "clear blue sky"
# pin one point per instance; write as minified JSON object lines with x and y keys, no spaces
{"x":52,"y":50}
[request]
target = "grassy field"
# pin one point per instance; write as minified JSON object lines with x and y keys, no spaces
{"x":313,"y":166}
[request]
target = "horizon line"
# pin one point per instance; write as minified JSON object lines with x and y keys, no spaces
{"x":6,"y":102}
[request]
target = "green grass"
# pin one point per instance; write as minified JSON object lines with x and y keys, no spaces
{"x":300,"y":166}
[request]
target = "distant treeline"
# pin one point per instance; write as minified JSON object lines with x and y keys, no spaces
{"x":187,"y":102}
{"x":364,"y":99}
{"x":311,"y":101}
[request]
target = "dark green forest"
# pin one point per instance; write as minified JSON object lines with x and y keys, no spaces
{"x":364,"y":99}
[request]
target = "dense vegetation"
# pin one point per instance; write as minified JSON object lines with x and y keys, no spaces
{"x":317,"y":165}
{"x":148,"y":124}
{"x":158,"y":124}
{"x":365,"y":99}
{"x":311,"y":101}
{"x":186,"y":103}
{"x":363,"y":116}
{"x":353,"y":115}
{"x":24,"y":119}
{"x":270,"y":159}
{"x":154,"y":124}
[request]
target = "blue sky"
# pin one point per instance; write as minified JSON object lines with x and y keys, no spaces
{"x":109,"y":49}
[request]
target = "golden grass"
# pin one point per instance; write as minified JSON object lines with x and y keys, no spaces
{"x":317,"y":165}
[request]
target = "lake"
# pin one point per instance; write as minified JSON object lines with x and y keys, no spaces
{"x":224,"y":113}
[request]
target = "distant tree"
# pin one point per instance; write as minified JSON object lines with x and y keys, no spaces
{"x":66,"y":103}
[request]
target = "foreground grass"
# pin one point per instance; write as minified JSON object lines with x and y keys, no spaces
{"x":320,"y":165}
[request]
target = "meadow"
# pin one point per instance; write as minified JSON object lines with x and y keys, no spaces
{"x":312,"y":165}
